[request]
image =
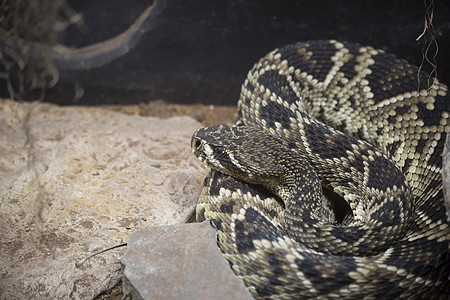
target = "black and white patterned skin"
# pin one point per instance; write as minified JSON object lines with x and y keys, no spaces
{"x":347,"y":118}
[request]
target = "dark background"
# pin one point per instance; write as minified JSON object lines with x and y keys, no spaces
{"x":199,"y":51}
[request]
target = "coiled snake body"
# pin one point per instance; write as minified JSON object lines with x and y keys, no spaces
{"x":330,"y":184}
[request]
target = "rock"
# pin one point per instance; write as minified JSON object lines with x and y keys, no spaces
{"x":76,"y":180}
{"x":179,"y":262}
{"x":446,"y":175}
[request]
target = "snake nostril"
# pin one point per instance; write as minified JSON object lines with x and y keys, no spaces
{"x":197,"y":143}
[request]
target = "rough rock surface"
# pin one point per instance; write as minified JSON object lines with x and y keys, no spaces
{"x":76,"y":180}
{"x":179,"y":262}
{"x":446,"y":175}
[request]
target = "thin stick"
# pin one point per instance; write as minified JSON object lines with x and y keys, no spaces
{"x":101,"y":251}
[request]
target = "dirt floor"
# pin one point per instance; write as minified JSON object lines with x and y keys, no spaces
{"x":207,"y":115}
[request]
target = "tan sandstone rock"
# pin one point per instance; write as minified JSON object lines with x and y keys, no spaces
{"x":76,"y":180}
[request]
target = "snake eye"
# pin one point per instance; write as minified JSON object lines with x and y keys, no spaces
{"x":218,"y":150}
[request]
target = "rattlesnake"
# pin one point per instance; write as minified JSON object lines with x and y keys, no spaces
{"x":390,"y":237}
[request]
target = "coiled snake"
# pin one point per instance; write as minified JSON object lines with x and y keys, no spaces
{"x":330,"y":184}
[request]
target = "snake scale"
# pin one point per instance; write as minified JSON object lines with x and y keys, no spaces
{"x":329,"y":185}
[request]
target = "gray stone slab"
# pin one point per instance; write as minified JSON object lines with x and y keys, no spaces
{"x":179,"y":262}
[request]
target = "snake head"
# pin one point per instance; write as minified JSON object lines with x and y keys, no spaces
{"x":239,"y":151}
{"x":207,"y":146}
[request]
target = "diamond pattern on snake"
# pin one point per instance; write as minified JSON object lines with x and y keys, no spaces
{"x":329,"y":184}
